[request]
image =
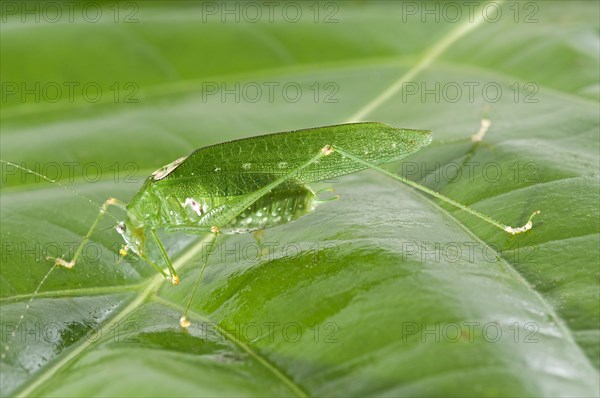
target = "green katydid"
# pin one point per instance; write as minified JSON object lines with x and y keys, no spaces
{"x":257,"y":183}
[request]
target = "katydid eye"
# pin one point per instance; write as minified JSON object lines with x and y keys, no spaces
{"x":121,"y":228}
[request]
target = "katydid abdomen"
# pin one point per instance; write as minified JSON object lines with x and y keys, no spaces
{"x":195,"y":214}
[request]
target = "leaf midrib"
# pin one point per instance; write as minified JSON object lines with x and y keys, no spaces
{"x":132,"y":306}
{"x":241,"y":344}
{"x":87,"y":291}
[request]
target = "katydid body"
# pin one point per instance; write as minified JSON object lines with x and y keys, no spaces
{"x":223,"y":185}
{"x":254,"y":183}
{"x":258,"y":183}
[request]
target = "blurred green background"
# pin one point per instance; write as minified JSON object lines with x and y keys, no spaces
{"x":384,"y":292}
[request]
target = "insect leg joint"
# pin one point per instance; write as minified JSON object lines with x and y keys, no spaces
{"x":185,"y":322}
{"x":327,"y":150}
{"x":478,"y":136}
{"x":62,"y":262}
{"x":524,"y":228}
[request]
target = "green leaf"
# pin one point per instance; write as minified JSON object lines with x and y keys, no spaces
{"x":384,"y":292}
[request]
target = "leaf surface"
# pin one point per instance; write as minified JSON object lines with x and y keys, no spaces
{"x":384,"y":292}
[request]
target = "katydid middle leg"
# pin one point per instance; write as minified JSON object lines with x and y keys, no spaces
{"x":184,"y":321}
{"x":236,"y":209}
{"x":173,"y":274}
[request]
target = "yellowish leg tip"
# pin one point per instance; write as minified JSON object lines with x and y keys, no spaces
{"x":327,"y":150}
{"x":61,"y":262}
{"x":184,"y":321}
{"x":214,"y":229}
{"x":175,"y":280}
{"x":485,"y":125}
{"x":519,"y":230}
{"x":525,"y":227}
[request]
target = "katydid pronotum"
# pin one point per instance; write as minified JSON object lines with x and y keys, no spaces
{"x":257,"y":183}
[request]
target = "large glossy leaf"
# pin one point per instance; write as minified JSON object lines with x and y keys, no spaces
{"x":383,"y":292}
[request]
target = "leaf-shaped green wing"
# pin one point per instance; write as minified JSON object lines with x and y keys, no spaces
{"x":242,"y":166}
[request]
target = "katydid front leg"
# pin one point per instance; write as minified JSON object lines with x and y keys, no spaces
{"x":103,"y":209}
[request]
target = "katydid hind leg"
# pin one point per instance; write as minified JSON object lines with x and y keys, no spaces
{"x":474,"y":138}
{"x":506,"y":228}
